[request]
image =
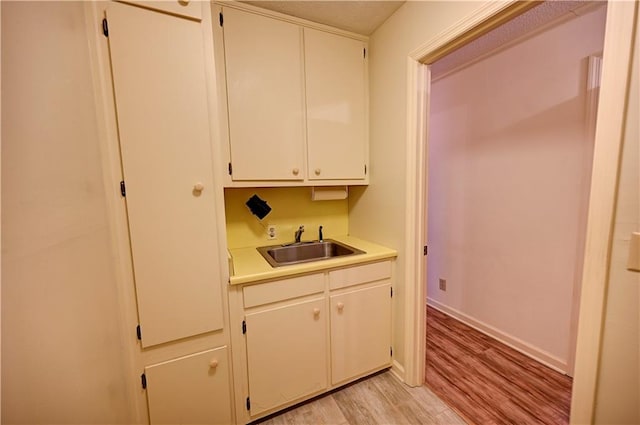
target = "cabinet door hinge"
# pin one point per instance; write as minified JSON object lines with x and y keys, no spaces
{"x":365,"y":169}
{"x":391,"y":351}
{"x":221,"y":19}
{"x":230,"y":169}
{"x":244,"y":327}
{"x":364,"y":53}
{"x":139,"y":332}
{"x":143,"y":381}
{"x":123,"y":189}
{"x":425,"y":250}
{"x":248,"y":403}
{"x":105,"y":27}
{"x":391,"y":292}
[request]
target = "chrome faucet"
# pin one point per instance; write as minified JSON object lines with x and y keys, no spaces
{"x":320,"y":234}
{"x":299,"y":233}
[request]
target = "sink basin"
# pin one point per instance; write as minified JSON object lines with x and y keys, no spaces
{"x":302,"y":252}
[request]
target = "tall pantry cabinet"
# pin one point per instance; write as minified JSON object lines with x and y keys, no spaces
{"x":158,"y":64}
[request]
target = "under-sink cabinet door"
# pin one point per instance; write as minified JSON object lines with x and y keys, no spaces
{"x":360,"y":332}
{"x":286,"y":354}
{"x":190,"y":390}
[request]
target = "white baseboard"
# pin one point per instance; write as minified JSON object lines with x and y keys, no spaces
{"x":398,"y":370}
{"x":517,"y":344}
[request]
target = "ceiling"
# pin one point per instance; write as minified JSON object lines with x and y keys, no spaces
{"x":365,"y":16}
{"x":362,"y":17}
{"x":530,"y":22}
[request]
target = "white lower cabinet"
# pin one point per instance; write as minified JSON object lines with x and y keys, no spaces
{"x":286,"y":354}
{"x":360,"y":332}
{"x":193,"y":389}
{"x":308,"y":334}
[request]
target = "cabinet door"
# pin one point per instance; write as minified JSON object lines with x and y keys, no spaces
{"x":360,"y":332}
{"x":286,"y":354}
{"x":336,"y":106}
{"x":190,"y":390}
{"x":160,"y":91}
{"x":263,"y":59}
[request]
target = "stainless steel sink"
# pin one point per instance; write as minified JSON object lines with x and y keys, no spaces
{"x":302,"y":252}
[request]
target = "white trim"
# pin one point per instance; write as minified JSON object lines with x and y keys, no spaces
{"x":415,"y":295}
{"x":517,"y":344}
{"x":116,"y":211}
{"x":398,"y":370}
{"x":618,"y":44}
{"x":581,"y":8}
{"x":464,"y":26}
{"x":594,"y":76}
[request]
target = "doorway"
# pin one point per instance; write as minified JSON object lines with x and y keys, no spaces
{"x":509,"y":167}
{"x":620,"y":30}
{"x":509,"y":171}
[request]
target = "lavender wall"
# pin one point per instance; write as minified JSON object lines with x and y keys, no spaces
{"x":509,"y":173}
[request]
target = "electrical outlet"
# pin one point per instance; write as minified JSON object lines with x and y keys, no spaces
{"x":443,"y":284}
{"x":271,"y":232}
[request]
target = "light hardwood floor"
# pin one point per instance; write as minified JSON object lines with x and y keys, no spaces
{"x":380,"y":399}
{"x":488,"y":382}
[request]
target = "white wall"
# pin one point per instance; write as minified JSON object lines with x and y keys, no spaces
{"x":378,"y":212}
{"x":62,"y":354}
{"x":618,"y":392}
{"x":509,"y":177}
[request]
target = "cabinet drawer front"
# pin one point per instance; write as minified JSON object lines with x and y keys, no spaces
{"x":265,"y":293}
{"x":359,"y":274}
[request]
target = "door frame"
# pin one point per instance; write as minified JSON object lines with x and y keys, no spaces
{"x":483,"y":20}
{"x":621,"y":17}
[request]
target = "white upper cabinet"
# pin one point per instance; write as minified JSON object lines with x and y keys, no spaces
{"x":297,"y":100}
{"x":336,"y":106}
{"x":159,"y":84}
{"x":265,"y":86}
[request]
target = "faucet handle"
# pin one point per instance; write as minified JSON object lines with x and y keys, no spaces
{"x":298,"y":233}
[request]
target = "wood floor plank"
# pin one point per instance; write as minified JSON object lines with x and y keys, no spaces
{"x":428,"y":400}
{"x":359,"y":406}
{"x":488,"y":382}
{"x":381,"y":399}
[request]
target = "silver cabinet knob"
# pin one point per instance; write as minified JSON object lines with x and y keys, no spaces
{"x":213,"y":363}
{"x":295,"y":171}
{"x":198,"y":187}
{"x":316,"y":311}
{"x":317,"y":171}
{"x":340,"y":306}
